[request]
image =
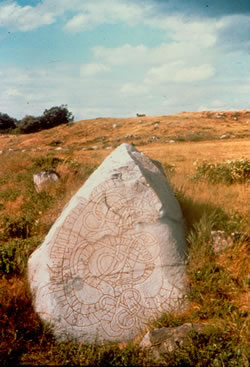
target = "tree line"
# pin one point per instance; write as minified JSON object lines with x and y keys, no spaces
{"x":30,"y":124}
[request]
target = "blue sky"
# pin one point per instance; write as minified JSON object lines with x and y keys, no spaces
{"x":119,"y":57}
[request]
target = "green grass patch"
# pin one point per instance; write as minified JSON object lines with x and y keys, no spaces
{"x":195,"y":136}
{"x":229,"y":172}
{"x":14,"y":255}
{"x":48,"y":162}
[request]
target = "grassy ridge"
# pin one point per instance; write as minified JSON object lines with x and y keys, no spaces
{"x":219,"y":295}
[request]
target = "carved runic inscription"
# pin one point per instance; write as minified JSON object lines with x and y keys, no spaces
{"x":104,"y":263}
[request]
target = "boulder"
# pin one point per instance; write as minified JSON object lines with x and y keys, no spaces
{"x":43,"y":178}
{"x":115,"y":258}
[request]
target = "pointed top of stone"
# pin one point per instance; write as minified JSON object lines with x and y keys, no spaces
{"x":127,"y":161}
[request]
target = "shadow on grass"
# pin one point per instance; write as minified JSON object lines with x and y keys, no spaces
{"x":195,"y":211}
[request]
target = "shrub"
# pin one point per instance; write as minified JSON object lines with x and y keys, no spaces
{"x":194,"y":136}
{"x":14,"y":255}
{"x":56,"y":116}
{"x":17,"y":227}
{"x":48,"y":162}
{"x":50,"y":118}
{"x":7,"y":258}
{"x":7,"y":122}
{"x":30,"y":124}
{"x":228,"y":172}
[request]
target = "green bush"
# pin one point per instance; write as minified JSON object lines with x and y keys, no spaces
{"x":229,"y":172}
{"x":30,"y":124}
{"x":56,"y":116}
{"x":14,"y":255}
{"x":50,"y":118}
{"x":7,"y":258}
{"x":48,"y":162}
{"x":194,"y":136}
{"x":6,"y":122}
{"x":17,"y":227}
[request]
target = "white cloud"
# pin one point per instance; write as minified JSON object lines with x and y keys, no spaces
{"x":93,"y":69}
{"x":166,"y":76}
{"x":184,"y":29}
{"x":143,"y":56}
{"x":190,"y":41}
{"x":26,"y":18}
{"x":92,"y":14}
{"x":178,"y":72}
{"x":87,"y":14}
{"x":123,"y":55}
{"x":80,"y":22}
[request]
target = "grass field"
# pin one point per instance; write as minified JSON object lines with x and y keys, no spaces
{"x":219,"y":282}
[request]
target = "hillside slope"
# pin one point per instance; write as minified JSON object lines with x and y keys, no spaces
{"x":110,"y":132}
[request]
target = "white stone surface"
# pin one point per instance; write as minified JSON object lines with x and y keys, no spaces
{"x":115,"y":258}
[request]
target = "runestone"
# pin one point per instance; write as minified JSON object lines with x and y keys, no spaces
{"x":105,"y":272}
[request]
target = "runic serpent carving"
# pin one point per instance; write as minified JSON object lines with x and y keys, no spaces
{"x":98,"y":253}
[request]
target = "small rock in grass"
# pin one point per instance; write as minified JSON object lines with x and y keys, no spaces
{"x":43,"y":178}
{"x":167,"y":340}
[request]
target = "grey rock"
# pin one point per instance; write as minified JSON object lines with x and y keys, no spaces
{"x":43,"y":178}
{"x":220,"y":115}
{"x":167,"y":340}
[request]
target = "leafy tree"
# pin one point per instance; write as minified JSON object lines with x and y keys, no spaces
{"x":50,"y":118}
{"x":56,"y":116}
{"x":30,"y":124}
{"x":7,"y":122}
